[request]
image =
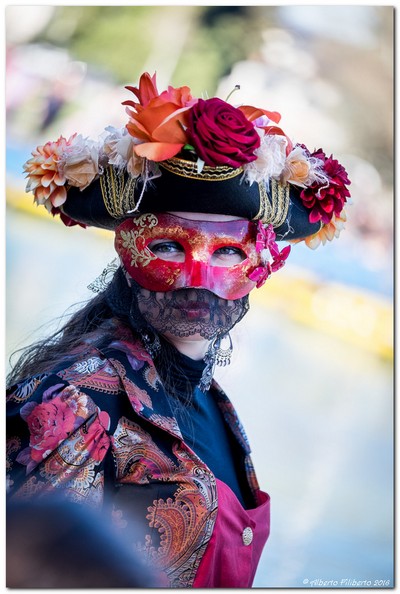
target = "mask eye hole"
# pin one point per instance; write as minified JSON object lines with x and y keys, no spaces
{"x":227,"y":256}
{"x":167,"y":249}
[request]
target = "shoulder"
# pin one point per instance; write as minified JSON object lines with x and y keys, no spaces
{"x":71,"y":374}
{"x":88,"y":382}
{"x":87,"y":367}
{"x":45,"y":412}
{"x":72,"y":408}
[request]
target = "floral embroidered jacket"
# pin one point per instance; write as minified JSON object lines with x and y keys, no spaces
{"x":101,"y":432}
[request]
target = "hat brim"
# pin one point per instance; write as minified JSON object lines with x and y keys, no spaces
{"x":175,"y":193}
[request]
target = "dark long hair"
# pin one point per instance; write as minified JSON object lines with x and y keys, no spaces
{"x":94,"y":325}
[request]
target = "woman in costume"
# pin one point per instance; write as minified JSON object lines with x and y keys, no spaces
{"x":119,"y":410}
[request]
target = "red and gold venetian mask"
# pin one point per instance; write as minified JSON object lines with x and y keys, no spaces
{"x":163,"y":252}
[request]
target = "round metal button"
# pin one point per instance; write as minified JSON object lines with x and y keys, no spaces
{"x":247,"y":536}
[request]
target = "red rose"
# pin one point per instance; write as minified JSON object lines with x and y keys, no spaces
{"x":221,"y":134}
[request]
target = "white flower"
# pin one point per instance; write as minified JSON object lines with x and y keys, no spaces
{"x":119,"y":148}
{"x":271,"y":156}
{"x":79,"y":162}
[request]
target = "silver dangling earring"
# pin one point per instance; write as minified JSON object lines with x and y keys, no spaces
{"x":215,"y":355}
{"x":152,"y":346}
{"x":223,"y":356}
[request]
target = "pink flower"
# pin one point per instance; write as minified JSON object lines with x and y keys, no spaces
{"x":49,"y":424}
{"x":265,"y":236}
{"x":221,"y":134}
{"x":326,"y":200}
{"x":279,"y":257}
{"x":261,"y":274}
{"x":271,"y":258}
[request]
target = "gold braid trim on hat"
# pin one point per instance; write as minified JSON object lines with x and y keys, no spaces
{"x":274,"y":211}
{"x":118,"y":195}
{"x":189,"y":169}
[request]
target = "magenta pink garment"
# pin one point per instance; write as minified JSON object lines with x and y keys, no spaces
{"x":228,"y":562}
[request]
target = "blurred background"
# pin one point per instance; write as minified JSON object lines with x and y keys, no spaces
{"x":312,"y":373}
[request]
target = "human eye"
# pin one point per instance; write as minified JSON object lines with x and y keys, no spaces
{"x":227,"y":256}
{"x":167,"y":250}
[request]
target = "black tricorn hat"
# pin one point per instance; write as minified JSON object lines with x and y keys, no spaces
{"x":115,"y":196}
{"x":178,"y":153}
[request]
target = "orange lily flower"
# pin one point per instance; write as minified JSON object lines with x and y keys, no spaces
{"x":158,"y":120}
{"x":147,"y":89}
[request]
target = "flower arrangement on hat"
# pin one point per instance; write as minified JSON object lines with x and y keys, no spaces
{"x":211,"y":132}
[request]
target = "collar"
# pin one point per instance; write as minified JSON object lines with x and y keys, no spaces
{"x":149,"y":401}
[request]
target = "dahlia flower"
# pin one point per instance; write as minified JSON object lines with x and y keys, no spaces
{"x":327,"y":200}
{"x":43,"y":172}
